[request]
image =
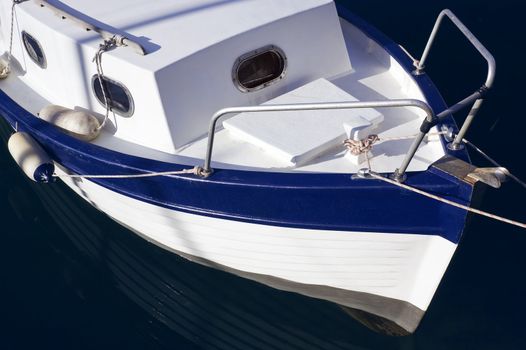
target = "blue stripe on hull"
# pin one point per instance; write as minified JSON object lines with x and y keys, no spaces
{"x":310,"y":201}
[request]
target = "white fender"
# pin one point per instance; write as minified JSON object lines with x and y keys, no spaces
{"x":31,"y":157}
{"x":79,"y":124}
{"x":4,"y":69}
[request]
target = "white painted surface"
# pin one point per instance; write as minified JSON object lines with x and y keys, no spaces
{"x":375,"y":76}
{"x":178,"y":100}
{"x":407,"y":267}
{"x":299,"y":136}
{"x":193,"y":89}
{"x":27,"y":154}
{"x":192,"y":45}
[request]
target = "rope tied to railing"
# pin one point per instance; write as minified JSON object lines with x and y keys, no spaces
{"x":357,"y":147}
{"x":198,"y":171}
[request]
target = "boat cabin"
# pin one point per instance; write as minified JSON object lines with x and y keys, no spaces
{"x":204,"y":55}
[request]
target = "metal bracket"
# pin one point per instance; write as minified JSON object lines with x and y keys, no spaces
{"x":455,"y":146}
{"x":363,"y":174}
{"x":493,"y":177}
{"x":419,"y":69}
{"x":398,"y":176}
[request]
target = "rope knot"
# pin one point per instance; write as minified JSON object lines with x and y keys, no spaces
{"x":357,"y":147}
{"x":108,"y":44}
{"x":105,"y":46}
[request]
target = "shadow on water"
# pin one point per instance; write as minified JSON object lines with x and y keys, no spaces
{"x":74,"y":279}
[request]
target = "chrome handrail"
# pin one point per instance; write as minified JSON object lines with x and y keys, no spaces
{"x":476,"y":97}
{"x":399,"y":174}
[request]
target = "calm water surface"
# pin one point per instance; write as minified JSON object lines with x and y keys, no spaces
{"x":72,"y":279}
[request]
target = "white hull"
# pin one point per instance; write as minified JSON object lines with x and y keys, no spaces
{"x":390,"y":275}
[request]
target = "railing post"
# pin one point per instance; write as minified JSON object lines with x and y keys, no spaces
{"x":457,"y":143}
{"x":421,"y":64}
{"x":399,"y":174}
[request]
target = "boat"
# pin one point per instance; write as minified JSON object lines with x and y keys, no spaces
{"x":286,"y":142}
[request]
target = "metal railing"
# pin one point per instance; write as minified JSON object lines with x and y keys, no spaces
{"x":399,"y":174}
{"x":431,"y":120}
{"x":477,"y":97}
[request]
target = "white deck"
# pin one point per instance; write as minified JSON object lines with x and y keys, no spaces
{"x":297,"y":137}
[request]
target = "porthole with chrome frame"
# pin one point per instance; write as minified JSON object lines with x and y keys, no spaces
{"x":118,"y":95}
{"x":34,"y":49}
{"x":260,"y":68}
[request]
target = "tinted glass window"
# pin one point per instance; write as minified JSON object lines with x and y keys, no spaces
{"x":34,"y":50}
{"x":260,"y":69}
{"x":118,"y":96}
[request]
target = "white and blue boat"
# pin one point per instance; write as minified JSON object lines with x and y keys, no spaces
{"x":250,"y":136}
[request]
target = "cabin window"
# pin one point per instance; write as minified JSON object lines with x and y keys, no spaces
{"x":34,"y":50}
{"x":118,"y":96}
{"x":258,"y":69}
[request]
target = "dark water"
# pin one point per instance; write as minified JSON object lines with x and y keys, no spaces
{"x":70,"y":278}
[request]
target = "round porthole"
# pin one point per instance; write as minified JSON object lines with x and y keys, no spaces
{"x":260,"y":68}
{"x":118,"y":96}
{"x":34,"y":50}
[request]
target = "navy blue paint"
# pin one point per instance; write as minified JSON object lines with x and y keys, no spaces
{"x":428,"y":88}
{"x":44,"y":173}
{"x":312,"y":201}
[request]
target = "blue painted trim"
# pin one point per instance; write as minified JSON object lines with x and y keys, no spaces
{"x":310,"y":201}
{"x":44,"y":173}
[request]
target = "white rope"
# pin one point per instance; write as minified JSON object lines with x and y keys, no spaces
{"x":196,"y":171}
{"x":365,"y":145}
{"x":492,"y":161}
{"x":357,"y":147}
{"x":447,"y":201}
{"x":4,"y":73}
{"x":199,"y":172}
{"x":396,"y":138}
{"x":416,"y":62}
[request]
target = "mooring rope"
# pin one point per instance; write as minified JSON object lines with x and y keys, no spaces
{"x":447,"y":201}
{"x":4,"y":73}
{"x":357,"y":147}
{"x":195,"y":171}
{"x":492,"y":161}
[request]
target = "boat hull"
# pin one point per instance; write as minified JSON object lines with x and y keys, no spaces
{"x":393,"y":276}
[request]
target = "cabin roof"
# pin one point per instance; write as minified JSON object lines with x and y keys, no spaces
{"x":172,"y":30}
